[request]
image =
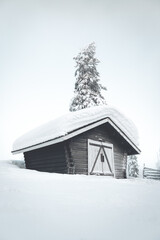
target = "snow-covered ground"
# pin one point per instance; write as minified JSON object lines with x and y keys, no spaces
{"x":47,"y":206}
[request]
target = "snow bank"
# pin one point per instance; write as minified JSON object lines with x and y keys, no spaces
{"x":75,"y":120}
{"x":38,"y":206}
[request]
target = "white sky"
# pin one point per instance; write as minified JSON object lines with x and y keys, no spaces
{"x":38,"y":40}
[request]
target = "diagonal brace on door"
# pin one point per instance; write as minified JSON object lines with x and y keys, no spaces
{"x":101,"y":147}
{"x":96,"y":160}
{"x":107,"y":160}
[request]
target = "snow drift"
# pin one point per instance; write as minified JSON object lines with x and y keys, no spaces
{"x":38,"y":206}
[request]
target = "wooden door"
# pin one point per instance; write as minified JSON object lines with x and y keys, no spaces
{"x":100,"y":158}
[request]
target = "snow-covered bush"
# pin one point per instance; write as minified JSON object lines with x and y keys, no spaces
{"x":133,"y":169}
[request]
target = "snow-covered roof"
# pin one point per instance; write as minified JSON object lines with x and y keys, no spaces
{"x":74,"y":123}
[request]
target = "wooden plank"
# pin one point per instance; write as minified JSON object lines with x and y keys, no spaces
{"x":150,"y":173}
{"x":45,"y":168}
{"x":51,"y":164}
{"x":47,"y":160}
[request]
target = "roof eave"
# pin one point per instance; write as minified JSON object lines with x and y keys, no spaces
{"x":77,"y":132}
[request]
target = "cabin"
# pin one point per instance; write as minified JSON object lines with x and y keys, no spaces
{"x":92,"y":141}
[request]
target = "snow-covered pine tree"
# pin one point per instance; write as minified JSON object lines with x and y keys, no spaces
{"x":87,"y":91}
{"x":133,"y":169}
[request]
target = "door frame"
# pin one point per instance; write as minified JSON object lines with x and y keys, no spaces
{"x":103,"y":144}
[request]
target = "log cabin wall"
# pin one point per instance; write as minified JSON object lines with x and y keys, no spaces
{"x":71,"y":156}
{"x":105,"y":133}
{"x":47,"y":159}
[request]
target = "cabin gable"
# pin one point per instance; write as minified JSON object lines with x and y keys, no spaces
{"x":78,"y":150}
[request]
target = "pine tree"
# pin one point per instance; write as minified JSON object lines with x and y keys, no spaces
{"x":87,"y":91}
{"x":133,"y":169}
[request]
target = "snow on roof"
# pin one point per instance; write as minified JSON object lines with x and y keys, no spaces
{"x":64,"y":125}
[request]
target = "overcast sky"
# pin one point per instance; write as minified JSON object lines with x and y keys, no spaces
{"x":38,"y":40}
